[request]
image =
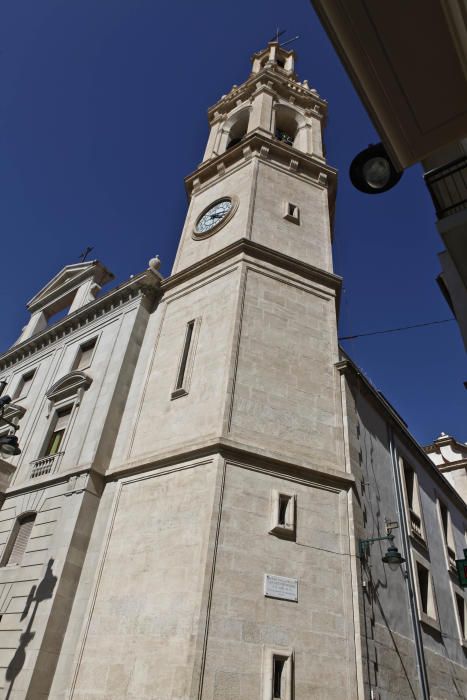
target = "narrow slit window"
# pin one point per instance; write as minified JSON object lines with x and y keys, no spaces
{"x":460,"y":603}
{"x":423,"y":582}
{"x":181,"y":386}
{"x":283,"y":503}
{"x":278,"y":674}
{"x":426,"y":593}
{"x":84,"y":356}
{"x":277,"y":677}
{"x":448,"y":535}
{"x":56,"y":438}
{"x":413,"y":501}
{"x":283,"y":515}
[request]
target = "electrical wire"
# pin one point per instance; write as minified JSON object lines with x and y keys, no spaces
{"x":395,"y":330}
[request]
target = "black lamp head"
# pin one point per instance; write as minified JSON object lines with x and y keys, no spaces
{"x":9,"y":445}
{"x":372,"y":171}
{"x":393,"y":557}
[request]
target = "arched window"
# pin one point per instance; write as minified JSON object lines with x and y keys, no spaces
{"x":238,"y":128}
{"x":16,"y":546}
{"x":286,"y":126}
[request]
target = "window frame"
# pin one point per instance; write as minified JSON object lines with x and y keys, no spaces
{"x":447,"y":535}
{"x":186,"y":359}
{"x":58,"y":411}
{"x":75,"y":367}
{"x":432,"y":607}
{"x":291,"y":212}
{"x":288,"y":528}
{"x":415,"y":510}
{"x":457,"y":592}
{"x":13,"y":537}
{"x":27,"y":376}
{"x":270,"y":654}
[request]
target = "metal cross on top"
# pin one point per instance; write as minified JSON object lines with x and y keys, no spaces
{"x":279,"y":33}
{"x":85,"y":253}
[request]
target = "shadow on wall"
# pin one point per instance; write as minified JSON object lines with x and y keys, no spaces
{"x":37,"y":595}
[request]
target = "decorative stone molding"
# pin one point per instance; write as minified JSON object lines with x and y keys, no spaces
{"x":143,"y":285}
{"x":72,"y":385}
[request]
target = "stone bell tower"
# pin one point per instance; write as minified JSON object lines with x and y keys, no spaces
{"x":263,"y":153}
{"x":227,"y":492}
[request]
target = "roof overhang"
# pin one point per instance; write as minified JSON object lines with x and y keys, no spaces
{"x":408,"y":62}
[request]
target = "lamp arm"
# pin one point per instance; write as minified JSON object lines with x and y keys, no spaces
{"x":363,"y":545}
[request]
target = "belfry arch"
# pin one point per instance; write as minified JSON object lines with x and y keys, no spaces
{"x":291,"y":127}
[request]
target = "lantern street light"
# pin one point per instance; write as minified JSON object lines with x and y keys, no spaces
{"x":392,"y":557}
{"x":8,"y":443}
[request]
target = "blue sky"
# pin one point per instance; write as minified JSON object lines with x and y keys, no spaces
{"x":103,"y":113}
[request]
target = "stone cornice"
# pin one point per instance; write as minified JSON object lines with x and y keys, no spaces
{"x":144,"y":284}
{"x":268,"y":149}
{"x":259,"y":252}
{"x":283,"y":85}
{"x":231,"y":450}
{"x":346,"y":366}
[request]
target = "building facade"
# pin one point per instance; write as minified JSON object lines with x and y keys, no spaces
{"x":397,"y":64}
{"x":200,"y":462}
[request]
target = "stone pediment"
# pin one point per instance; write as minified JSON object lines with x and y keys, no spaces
{"x":71,"y":385}
{"x":67,"y":280}
{"x":446,"y":451}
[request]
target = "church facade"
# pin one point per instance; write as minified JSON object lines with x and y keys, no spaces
{"x":207,"y":485}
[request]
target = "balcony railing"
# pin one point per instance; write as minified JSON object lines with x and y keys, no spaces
{"x":451,"y":557}
{"x":45,"y":465}
{"x":416,"y":524}
{"x":448,"y":187}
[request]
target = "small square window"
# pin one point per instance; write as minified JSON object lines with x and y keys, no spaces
{"x":291,"y":212}
{"x":283,"y":514}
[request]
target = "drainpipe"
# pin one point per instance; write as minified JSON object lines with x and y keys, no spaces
{"x":409,"y":577}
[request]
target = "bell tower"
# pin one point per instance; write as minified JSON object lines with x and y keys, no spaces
{"x":228,"y":490}
{"x":264,"y":163}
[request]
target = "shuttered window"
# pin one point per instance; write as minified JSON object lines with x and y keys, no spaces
{"x":19,"y":539}
{"x":56,"y":438}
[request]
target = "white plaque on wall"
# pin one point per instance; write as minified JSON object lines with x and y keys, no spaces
{"x":281,"y":587}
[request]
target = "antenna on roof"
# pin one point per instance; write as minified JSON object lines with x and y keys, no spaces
{"x":279,"y":33}
{"x":85,"y":253}
{"x":289,"y":41}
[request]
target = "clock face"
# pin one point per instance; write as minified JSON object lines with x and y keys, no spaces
{"x":213,"y":216}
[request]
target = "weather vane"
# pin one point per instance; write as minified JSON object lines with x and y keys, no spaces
{"x":85,"y":253}
{"x":279,"y":33}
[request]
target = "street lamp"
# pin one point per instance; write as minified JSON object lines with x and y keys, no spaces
{"x":392,"y":557}
{"x":372,"y":171}
{"x":8,"y":443}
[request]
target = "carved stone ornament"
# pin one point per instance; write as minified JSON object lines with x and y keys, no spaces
{"x":72,"y":385}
